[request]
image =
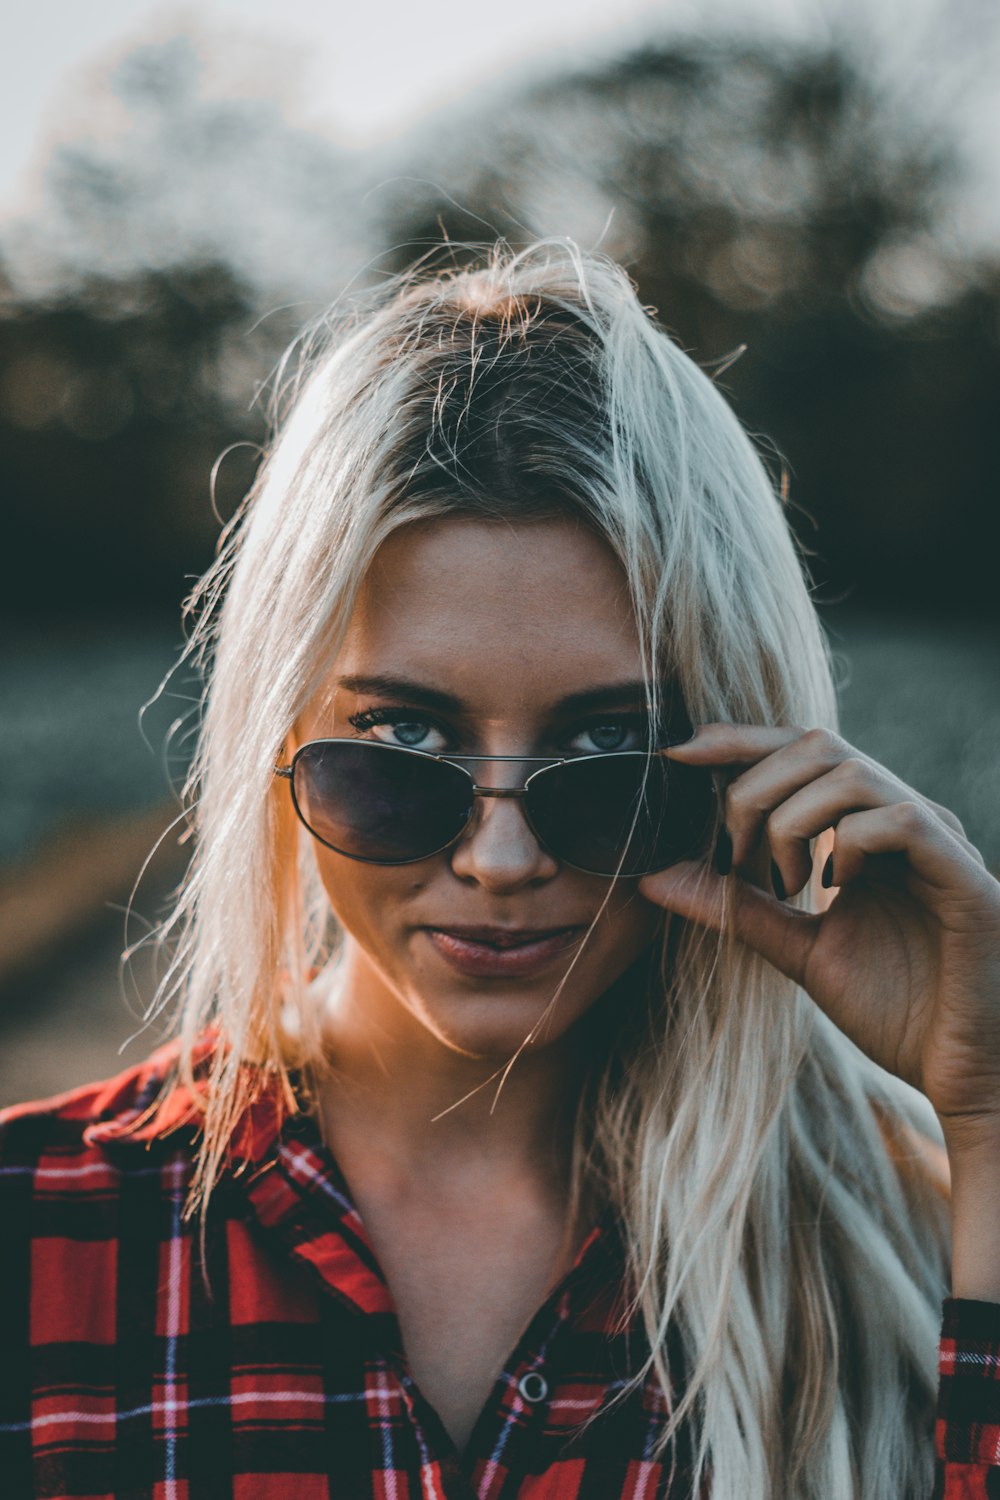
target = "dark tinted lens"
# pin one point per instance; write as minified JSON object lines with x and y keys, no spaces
{"x":377,"y":803}
{"x":594,"y":811}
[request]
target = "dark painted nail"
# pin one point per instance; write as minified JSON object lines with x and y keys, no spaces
{"x":723,"y":851}
{"x":777,"y":884}
{"x":680,"y":737}
{"x":826,"y":879}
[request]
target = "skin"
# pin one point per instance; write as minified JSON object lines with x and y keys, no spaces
{"x":509,"y":619}
{"x":905,"y":959}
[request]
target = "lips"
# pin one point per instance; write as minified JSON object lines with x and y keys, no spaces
{"x":504,"y":937}
{"x":513,"y":952}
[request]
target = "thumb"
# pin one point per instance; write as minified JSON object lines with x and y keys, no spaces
{"x":781,"y":934}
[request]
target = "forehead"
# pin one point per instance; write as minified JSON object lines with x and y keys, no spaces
{"x":537,"y":606}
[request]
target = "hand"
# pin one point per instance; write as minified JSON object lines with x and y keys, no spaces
{"x":905,"y":958}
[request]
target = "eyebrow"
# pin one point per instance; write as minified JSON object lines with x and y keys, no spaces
{"x":590,"y":700}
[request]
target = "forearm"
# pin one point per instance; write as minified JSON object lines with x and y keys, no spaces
{"x":975,"y":1218}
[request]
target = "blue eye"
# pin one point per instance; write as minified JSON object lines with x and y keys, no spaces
{"x":403,"y":728}
{"x":609,"y":736}
{"x":409,"y":734}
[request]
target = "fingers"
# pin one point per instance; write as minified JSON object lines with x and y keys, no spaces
{"x":786,"y":936}
{"x":734,"y":744}
{"x":752,"y":799}
{"x":794,"y":784}
{"x":955,"y":826}
{"x":852,"y":786}
{"x":933,"y":852}
{"x":781,"y":934}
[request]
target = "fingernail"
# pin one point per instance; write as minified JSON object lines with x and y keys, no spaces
{"x":826,"y":879}
{"x":723,"y":851}
{"x":777,"y":883}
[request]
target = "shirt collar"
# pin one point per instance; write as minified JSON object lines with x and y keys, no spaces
{"x":292,"y":1184}
{"x":150,"y":1104}
{"x":277,"y":1161}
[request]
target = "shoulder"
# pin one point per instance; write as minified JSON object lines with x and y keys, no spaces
{"x":80,"y":1200}
{"x":53,"y":1138}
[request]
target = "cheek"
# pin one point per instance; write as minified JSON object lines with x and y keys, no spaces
{"x":367,"y":900}
{"x":629,"y":925}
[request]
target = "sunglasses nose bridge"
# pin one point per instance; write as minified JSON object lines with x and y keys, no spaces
{"x":500,"y":848}
{"x":500,"y":776}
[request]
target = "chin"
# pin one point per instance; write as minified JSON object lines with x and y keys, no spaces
{"x":494,"y":1026}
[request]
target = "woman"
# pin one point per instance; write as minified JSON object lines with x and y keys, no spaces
{"x":534,"y":1123}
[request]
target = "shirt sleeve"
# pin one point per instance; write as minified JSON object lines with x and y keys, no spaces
{"x":967,"y":1429}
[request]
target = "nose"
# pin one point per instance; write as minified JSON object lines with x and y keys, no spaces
{"x":498,"y":849}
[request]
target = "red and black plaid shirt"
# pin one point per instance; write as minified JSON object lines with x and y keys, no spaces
{"x":124,"y":1375}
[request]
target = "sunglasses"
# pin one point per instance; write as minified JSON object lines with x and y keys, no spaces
{"x":625,"y":813}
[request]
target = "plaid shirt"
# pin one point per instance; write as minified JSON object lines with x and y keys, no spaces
{"x":123,"y":1375}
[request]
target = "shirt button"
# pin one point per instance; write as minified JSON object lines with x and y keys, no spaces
{"x":533,"y":1387}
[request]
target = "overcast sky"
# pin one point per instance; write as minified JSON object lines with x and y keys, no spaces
{"x":363,"y":70}
{"x":360,"y":70}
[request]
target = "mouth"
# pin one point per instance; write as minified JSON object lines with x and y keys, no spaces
{"x":484,"y":952}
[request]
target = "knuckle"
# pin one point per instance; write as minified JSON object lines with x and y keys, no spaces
{"x":854,"y":771}
{"x":776,"y":826}
{"x":910,"y":816}
{"x":823,"y":742}
{"x":948,"y":818}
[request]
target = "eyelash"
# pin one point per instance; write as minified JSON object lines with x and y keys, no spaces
{"x":367,"y":718}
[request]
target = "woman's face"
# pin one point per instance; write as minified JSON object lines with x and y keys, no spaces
{"x":481,"y":637}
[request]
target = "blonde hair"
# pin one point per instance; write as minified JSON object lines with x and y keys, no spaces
{"x":743,"y":1141}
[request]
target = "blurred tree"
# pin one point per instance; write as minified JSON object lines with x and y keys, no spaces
{"x":116,"y":399}
{"x":771,"y":196}
{"x":766,"y":194}
{"x":132,"y":342}
{"x":183,"y":155}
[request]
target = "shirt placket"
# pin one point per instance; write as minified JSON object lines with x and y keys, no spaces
{"x":525,"y":1424}
{"x":300,"y":1198}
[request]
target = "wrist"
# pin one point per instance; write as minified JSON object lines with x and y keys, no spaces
{"x":974,"y":1157}
{"x":971,"y":1140}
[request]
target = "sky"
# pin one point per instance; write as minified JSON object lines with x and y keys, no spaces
{"x":359,"y":71}
{"x":363,"y":73}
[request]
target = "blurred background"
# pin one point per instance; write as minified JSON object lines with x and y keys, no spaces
{"x":181,"y":189}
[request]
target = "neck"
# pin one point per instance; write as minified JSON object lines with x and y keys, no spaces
{"x":419,"y":1109}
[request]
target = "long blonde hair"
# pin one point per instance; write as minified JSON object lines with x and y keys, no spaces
{"x":772,"y":1215}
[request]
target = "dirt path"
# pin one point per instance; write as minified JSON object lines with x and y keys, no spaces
{"x":66,"y":1023}
{"x":66,"y":1007}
